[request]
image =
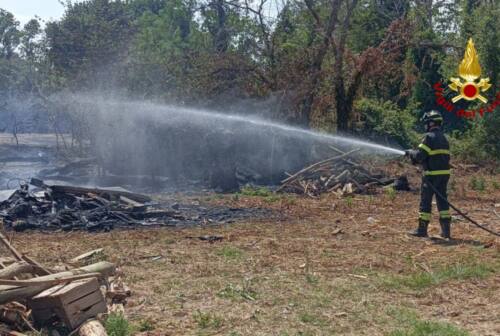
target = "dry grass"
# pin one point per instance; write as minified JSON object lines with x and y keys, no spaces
{"x":321,"y":268}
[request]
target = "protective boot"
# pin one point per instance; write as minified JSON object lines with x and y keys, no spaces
{"x":445,"y":228}
{"x":421,"y":230}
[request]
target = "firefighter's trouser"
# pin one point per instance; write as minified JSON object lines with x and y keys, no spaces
{"x":440,"y":183}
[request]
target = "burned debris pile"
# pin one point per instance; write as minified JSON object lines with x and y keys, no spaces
{"x":69,"y":299}
{"x":339,"y":174}
{"x":60,"y":207}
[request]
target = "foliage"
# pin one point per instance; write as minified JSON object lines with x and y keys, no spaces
{"x":146,"y":325}
{"x":117,"y":325}
{"x":414,"y":326}
{"x":423,"y":280}
{"x":235,"y":292}
{"x":391,"y":193}
{"x":364,"y":67}
{"x":256,"y":191}
{"x":473,"y":144}
{"x":387,"y":120}
{"x":478,"y":183}
{"x":207,"y":320}
{"x":230,"y":253}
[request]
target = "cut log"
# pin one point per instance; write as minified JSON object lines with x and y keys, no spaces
{"x":11,"y":248}
{"x":17,"y":268}
{"x":10,"y":293}
{"x":38,"y":282}
{"x":86,"y":257}
{"x":92,"y":328}
{"x":15,"y":333}
{"x":7,"y":260}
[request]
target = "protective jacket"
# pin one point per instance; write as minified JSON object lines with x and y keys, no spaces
{"x":433,"y":153}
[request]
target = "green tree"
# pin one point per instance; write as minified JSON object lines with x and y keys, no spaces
{"x":89,"y":44}
{"x":9,"y":34}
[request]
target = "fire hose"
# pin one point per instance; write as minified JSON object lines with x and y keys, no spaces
{"x":460,"y":212}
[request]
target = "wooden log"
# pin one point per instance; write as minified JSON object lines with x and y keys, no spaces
{"x":345,"y":160}
{"x":40,"y":270}
{"x":92,"y":328}
{"x":343,"y":177}
{"x":11,"y":248}
{"x":38,"y":282}
{"x":17,"y":268}
{"x":7,"y":261}
{"x":11,"y":293}
{"x":15,"y":333}
{"x":313,"y":166}
{"x":86,"y":257}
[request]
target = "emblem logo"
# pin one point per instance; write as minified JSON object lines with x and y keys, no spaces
{"x":470,"y":70}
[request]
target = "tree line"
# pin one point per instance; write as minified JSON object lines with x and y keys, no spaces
{"x":357,"y":66}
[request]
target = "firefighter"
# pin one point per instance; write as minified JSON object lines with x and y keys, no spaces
{"x":434,"y":155}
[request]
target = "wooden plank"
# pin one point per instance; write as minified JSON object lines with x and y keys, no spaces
{"x":64,"y":293}
{"x":81,"y":291}
{"x":114,"y":191}
{"x":84,"y":303}
{"x":84,"y":309}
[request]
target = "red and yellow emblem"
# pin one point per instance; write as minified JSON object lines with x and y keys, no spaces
{"x":470,"y":70}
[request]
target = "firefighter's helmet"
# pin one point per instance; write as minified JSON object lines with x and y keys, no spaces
{"x":433,"y":116}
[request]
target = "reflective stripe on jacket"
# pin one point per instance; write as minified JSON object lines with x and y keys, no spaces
{"x":433,"y":153}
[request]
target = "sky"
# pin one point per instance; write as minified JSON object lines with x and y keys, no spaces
{"x":24,"y":10}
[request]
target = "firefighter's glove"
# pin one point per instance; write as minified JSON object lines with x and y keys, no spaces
{"x":408,"y":155}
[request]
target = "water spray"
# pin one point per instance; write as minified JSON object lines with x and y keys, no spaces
{"x":197,"y":113}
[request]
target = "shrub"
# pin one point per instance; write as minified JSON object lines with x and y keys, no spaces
{"x":207,"y":320}
{"x":117,"y":325}
{"x":478,"y":183}
{"x":386,"y":119}
{"x":256,"y":191}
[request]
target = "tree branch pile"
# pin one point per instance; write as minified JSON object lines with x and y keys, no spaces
{"x":339,"y":174}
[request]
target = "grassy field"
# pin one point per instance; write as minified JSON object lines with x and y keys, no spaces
{"x":326,"y":266}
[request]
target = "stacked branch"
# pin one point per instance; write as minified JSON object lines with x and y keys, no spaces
{"x":338,"y":174}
